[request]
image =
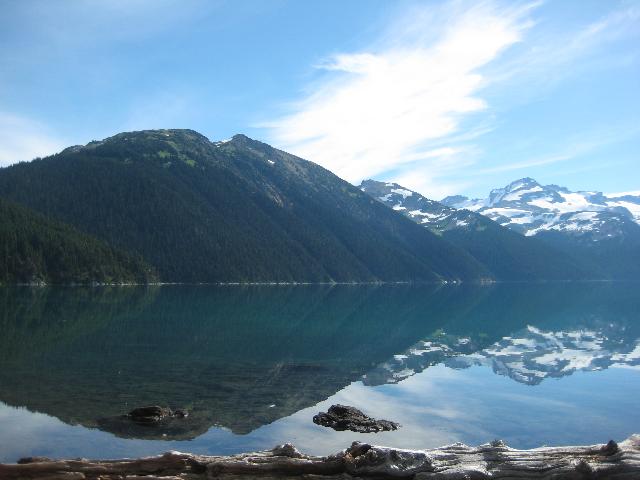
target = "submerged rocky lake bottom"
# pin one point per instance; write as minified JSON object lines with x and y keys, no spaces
{"x":532,"y":364}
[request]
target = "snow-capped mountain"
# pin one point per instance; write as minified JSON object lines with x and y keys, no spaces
{"x":430,"y":213}
{"x":507,"y":254}
{"x":531,"y":208}
{"x":529,"y":356}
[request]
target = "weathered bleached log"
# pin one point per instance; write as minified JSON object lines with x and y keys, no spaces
{"x":453,"y":462}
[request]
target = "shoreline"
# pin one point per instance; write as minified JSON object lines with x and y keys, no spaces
{"x":294,"y":284}
{"x":360,"y":460}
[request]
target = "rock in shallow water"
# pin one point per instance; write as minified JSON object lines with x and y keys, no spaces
{"x":154,"y":414}
{"x":343,"y":417}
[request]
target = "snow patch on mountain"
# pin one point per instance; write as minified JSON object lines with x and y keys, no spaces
{"x":402,"y":191}
{"x":431,"y":214}
{"x":531,"y":208}
{"x":635,"y":193}
{"x":519,"y":193}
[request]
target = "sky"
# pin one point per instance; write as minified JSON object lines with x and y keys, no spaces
{"x":443,"y":97}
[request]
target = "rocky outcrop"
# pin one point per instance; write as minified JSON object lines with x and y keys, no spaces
{"x":489,"y":461}
{"x":154,"y":414}
{"x":342,"y":417}
{"x":153,"y":422}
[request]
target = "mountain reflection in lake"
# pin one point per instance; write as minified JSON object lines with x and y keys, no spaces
{"x":530,"y":363}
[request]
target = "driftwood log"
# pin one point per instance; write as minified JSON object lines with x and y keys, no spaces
{"x":490,"y":461}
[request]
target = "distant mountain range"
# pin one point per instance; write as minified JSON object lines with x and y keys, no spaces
{"x":570,"y":231}
{"x":510,"y":255}
{"x":531,"y":209}
{"x":191,"y":210}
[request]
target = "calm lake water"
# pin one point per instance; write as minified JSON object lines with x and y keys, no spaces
{"x":532,"y":364}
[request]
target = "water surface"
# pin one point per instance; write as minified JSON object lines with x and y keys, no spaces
{"x":532,"y":364}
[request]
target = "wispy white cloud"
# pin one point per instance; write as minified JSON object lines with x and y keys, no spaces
{"x":23,"y":139}
{"x":379,"y":109}
{"x":413,"y":106}
{"x":543,"y":60}
{"x":568,"y":154}
{"x":576,"y":147}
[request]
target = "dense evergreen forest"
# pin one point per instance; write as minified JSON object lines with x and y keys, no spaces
{"x":34,"y":249}
{"x":514,"y":257}
{"x":231,"y":211}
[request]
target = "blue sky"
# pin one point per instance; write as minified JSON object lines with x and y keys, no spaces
{"x":443,"y":97}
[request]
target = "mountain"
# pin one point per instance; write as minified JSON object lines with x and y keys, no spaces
{"x":531,"y":208}
{"x":603,"y":229}
{"x":233,"y":211}
{"x":509,"y":255}
{"x":34,"y":249}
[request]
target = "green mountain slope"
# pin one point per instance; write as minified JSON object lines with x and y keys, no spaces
{"x":508,"y":254}
{"x":230,"y":211}
{"x":617,"y":258}
{"x":511,"y":256}
{"x":34,"y":249}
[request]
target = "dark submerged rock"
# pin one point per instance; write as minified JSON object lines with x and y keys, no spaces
{"x":343,"y":417}
{"x":153,"y":422}
{"x":150,"y":414}
{"x":180,"y":413}
{"x":155,"y":414}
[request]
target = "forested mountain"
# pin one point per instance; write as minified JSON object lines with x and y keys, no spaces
{"x":34,"y":249}
{"x":509,"y":255}
{"x":230,"y":212}
{"x":602,"y":229}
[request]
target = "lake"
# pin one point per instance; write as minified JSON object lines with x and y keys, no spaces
{"x":531,"y":364}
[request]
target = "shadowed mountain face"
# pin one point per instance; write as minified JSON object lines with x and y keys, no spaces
{"x":232,"y":211}
{"x":241,"y":358}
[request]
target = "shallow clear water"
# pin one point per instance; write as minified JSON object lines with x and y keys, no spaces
{"x":532,"y":364}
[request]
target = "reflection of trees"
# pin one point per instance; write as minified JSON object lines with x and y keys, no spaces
{"x":226,"y":353}
{"x":229,"y":353}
